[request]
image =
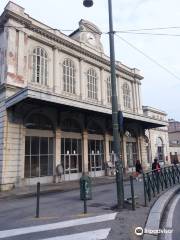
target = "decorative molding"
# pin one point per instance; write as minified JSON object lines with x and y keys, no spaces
{"x":29,"y":25}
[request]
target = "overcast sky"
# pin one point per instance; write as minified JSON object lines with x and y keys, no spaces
{"x":160,"y":89}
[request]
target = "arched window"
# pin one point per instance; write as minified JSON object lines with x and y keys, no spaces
{"x":109,"y":90}
{"x":131,"y":148}
{"x":126,"y":96}
{"x":92,"y":83}
{"x":160,"y":149}
{"x":70,"y":125}
{"x":39,"y":149}
{"x":68,"y":76}
{"x":40,"y":66}
{"x":38,"y":121}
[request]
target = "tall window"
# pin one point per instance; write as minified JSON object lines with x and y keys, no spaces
{"x":38,"y":156}
{"x":160,"y":149}
{"x":38,"y":149}
{"x":40,"y":66}
{"x":126,"y":96}
{"x":68,"y":76}
{"x":92,"y":84}
{"x":109,"y":90}
{"x":131,"y":149}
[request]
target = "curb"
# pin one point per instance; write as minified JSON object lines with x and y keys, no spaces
{"x":52,"y":190}
{"x":156,"y":212}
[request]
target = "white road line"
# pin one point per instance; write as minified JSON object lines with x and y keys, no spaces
{"x":58,"y":225}
{"x":90,"y":235}
{"x":169,"y":222}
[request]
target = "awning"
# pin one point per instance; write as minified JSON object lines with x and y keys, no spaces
{"x":33,"y":94}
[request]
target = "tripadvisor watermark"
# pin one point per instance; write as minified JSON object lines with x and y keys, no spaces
{"x":139,"y":231}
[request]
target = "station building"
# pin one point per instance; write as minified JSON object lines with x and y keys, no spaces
{"x":55,"y":105}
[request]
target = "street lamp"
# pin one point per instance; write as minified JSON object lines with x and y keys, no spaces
{"x":116,"y":136}
{"x":88,"y":3}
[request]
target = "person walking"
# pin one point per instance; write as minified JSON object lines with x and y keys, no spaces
{"x":138,"y":170}
{"x":156,"y":165}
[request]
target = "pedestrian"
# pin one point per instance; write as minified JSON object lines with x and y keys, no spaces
{"x":156,"y":165}
{"x":138,"y":170}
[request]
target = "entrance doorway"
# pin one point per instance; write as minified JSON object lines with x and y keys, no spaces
{"x":39,"y":149}
{"x":38,"y":156}
{"x":131,"y":150}
{"x":71,"y":158}
{"x":96,"y":158}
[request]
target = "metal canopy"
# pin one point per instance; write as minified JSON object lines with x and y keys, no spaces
{"x":29,"y":94}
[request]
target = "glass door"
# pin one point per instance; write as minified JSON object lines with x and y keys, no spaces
{"x":38,"y":156}
{"x":131,"y":150}
{"x":96,"y":157}
{"x":71,"y":158}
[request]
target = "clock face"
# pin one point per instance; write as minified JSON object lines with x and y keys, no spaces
{"x":91,"y":39}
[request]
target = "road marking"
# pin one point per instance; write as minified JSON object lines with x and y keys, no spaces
{"x":169,"y":222}
{"x":90,"y":235}
{"x":58,"y":225}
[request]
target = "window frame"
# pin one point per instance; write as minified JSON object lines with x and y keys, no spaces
{"x":109,"y":90}
{"x":39,"y":66}
{"x":126,"y":96}
{"x":92,"y":84}
{"x":69,"y":80}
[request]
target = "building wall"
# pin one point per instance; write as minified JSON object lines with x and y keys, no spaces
{"x":2,"y":134}
{"x":3,"y":51}
{"x":174,"y":137}
{"x":163,"y":135}
{"x":16,"y":54}
{"x":19,"y":64}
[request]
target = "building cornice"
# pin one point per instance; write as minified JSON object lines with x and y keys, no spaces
{"x":70,"y":43}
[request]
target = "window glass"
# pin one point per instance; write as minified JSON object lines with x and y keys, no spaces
{"x":68,"y":76}
{"x":92,"y":84}
{"x":44,"y":165}
{"x":27,"y":166}
{"x":50,"y":165}
{"x":27,"y":146}
{"x":67,"y":146}
{"x":44,"y":146}
{"x":50,"y":145}
{"x":39,"y":66}
{"x":109,"y":90}
{"x":39,"y":160}
{"x":126,"y":96}
{"x":35,"y":166}
{"x":34,"y":145}
{"x":74,"y":146}
{"x":62,"y":146}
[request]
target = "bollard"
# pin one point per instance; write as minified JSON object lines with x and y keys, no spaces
{"x":132,"y":192}
{"x":85,"y":200}
{"x":37,"y":199}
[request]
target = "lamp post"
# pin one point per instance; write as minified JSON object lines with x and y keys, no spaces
{"x":116,"y":136}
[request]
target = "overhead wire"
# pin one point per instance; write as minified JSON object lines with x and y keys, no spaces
{"x":148,"y":57}
{"x":153,"y":34}
{"x":130,"y":31}
{"x":150,"y":29}
{"x":127,"y":42}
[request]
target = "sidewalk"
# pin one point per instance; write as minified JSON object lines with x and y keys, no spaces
{"x":27,"y":191}
{"x":67,"y":205}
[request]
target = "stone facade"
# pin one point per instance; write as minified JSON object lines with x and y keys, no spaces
{"x":56,"y":94}
{"x":174,"y":140}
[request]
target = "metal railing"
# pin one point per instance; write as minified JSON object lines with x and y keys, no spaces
{"x":158,"y":180}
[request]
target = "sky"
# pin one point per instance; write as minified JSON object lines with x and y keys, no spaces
{"x":161,"y":84}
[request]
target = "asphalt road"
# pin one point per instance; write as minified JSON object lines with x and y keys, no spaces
{"x":171,"y":219}
{"x":65,"y":206}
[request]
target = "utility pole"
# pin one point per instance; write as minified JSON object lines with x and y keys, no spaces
{"x":115,"y":125}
